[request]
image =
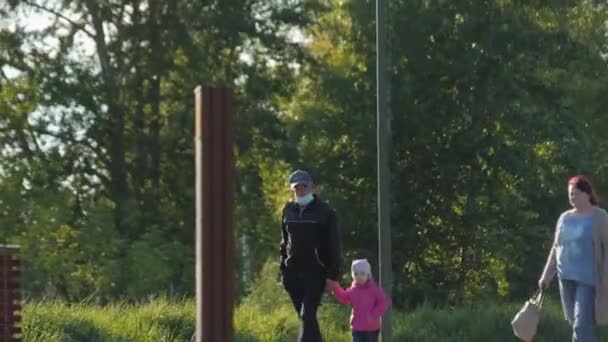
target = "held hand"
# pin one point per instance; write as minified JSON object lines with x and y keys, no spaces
{"x":330,"y":285}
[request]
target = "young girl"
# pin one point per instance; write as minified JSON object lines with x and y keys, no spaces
{"x":368,"y":302}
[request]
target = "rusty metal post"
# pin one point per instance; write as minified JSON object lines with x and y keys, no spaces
{"x":215,"y":174}
{"x":10,"y":294}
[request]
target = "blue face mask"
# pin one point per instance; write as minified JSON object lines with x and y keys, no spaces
{"x":304,"y":200}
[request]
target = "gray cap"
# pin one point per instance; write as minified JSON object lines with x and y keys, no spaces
{"x":299,"y":177}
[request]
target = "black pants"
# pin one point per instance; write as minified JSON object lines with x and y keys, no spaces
{"x":305,"y":288}
{"x":365,"y":336}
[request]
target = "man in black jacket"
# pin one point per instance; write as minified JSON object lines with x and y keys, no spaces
{"x":310,"y":252}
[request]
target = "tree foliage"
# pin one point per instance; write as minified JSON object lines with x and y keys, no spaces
{"x":493,"y":105}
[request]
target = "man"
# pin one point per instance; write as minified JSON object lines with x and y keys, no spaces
{"x":310,"y":252}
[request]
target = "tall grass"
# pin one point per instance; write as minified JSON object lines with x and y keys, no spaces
{"x":481,"y":322}
{"x":159,"y":320}
{"x":273,"y":319}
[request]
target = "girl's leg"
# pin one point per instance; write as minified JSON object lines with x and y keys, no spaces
{"x":372,"y":336}
{"x":359,"y":336}
{"x":365,"y":336}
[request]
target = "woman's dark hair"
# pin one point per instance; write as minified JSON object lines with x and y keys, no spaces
{"x":584,"y":184}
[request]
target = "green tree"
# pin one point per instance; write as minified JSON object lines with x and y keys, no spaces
{"x":109,"y":129}
{"x":486,"y":128}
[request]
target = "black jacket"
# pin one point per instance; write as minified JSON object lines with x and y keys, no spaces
{"x":311,"y":237}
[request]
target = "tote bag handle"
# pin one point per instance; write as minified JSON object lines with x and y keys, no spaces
{"x":537,"y":298}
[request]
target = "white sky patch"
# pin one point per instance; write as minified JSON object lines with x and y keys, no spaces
{"x":296,"y":35}
{"x":37,"y":21}
{"x":10,"y":72}
{"x":246,"y":58}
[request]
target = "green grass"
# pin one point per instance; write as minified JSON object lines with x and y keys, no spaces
{"x":161,"y":320}
{"x":271,"y":318}
{"x":264,"y":320}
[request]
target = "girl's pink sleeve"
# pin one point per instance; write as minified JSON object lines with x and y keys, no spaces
{"x":382,"y":303}
{"x":341,"y":295}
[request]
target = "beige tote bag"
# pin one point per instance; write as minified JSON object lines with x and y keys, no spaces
{"x":526,"y":320}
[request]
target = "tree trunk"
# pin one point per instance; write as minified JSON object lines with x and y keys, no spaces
{"x":115,"y":127}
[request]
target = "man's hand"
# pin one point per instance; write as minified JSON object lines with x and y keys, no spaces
{"x":330,"y":285}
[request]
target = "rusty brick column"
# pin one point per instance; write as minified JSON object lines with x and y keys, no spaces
{"x":215,"y":173}
{"x":10,"y":294}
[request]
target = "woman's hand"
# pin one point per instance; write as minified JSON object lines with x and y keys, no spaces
{"x":543,"y":283}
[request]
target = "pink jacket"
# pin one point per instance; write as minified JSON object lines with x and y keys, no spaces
{"x":368,"y":303}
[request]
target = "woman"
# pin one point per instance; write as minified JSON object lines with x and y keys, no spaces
{"x":579,"y":257}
